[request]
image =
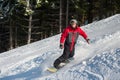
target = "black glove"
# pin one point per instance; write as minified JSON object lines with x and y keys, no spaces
{"x":88,"y":40}
{"x":61,"y":46}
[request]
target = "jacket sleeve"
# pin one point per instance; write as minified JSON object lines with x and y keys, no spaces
{"x":82,"y":33}
{"x":63,"y":36}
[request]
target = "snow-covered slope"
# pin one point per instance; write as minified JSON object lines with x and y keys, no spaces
{"x":99,"y":60}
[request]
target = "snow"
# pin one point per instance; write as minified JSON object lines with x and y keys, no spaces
{"x":99,"y":60}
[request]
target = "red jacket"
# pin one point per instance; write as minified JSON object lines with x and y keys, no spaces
{"x":70,"y":35}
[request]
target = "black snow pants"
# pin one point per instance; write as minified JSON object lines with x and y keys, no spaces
{"x":65,"y":56}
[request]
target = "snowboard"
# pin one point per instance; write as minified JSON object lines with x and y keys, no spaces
{"x":53,"y":70}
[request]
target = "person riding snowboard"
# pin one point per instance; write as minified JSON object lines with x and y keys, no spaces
{"x":68,"y":40}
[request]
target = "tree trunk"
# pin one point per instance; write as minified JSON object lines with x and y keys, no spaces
{"x":29,"y":29}
{"x":60,"y":17}
{"x":83,"y":19}
{"x":90,"y":14}
{"x":67,"y":10}
{"x":11,"y":35}
{"x":16,"y":37}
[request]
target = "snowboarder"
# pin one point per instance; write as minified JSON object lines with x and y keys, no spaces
{"x":68,"y":41}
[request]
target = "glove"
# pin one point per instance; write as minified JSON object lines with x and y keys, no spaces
{"x":61,"y":45}
{"x":88,"y":40}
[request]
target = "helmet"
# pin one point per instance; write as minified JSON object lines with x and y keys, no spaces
{"x":73,"y":20}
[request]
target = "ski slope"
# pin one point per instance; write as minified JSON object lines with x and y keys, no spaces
{"x":99,"y":60}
